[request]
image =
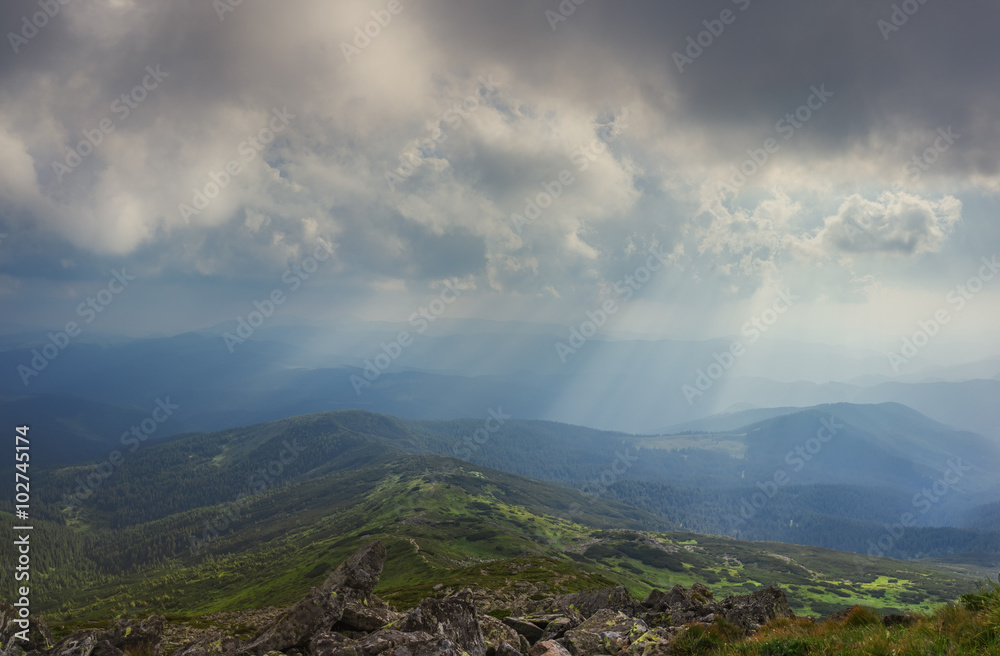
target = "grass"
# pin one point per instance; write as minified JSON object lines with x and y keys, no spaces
{"x":471,"y":528}
{"x":970,"y":627}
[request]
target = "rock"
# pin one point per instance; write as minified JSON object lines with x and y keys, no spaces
{"x":438,"y":587}
{"x":217,"y":644}
{"x":655,"y":642}
{"x":330,"y":643}
{"x":388,"y":640}
{"x":105,"y":648}
{"x":653,"y":598}
{"x":316,"y":613}
{"x":606,"y":631}
{"x":496,"y":633}
{"x":129,"y":635}
{"x":530,"y":631}
{"x":85,"y":643}
{"x":39,"y":636}
{"x":679,"y":597}
{"x":557,"y":628}
{"x":360,"y":572}
{"x":506,"y":650}
{"x":548,"y":648}
{"x":435,"y":647}
{"x":455,"y":618}
{"x":750,"y":612}
{"x":588,"y":602}
{"x":367,"y":614}
{"x":681,"y":606}
{"x":346,"y":597}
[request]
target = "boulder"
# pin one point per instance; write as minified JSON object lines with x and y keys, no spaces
{"x":367,"y":614}
{"x":216,"y":644}
{"x":39,"y":636}
{"x":455,"y":618}
{"x":531,"y":632}
{"x":588,"y":602}
{"x":496,"y":633}
{"x":345,"y":599}
{"x":750,"y":612}
{"x":606,"y":631}
{"x":548,"y":648}
{"x":329,"y":643}
{"x":505,"y":649}
{"x":129,"y":635}
{"x":360,"y":572}
{"x":85,"y":643}
{"x":315,"y":613}
{"x":387,"y":641}
{"x":440,"y":646}
{"x":558,"y":627}
{"x":681,"y":606}
{"x":655,"y":642}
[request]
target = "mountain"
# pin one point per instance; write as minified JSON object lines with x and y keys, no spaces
{"x":883,"y":463}
{"x":73,"y":429}
{"x":287,"y":370}
{"x":195,"y":524}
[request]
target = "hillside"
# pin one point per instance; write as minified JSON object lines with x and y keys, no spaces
{"x":194,"y":524}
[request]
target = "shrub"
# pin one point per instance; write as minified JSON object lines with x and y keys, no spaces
{"x":862,"y":616}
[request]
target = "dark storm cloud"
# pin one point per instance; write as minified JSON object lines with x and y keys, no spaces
{"x":323,"y":177}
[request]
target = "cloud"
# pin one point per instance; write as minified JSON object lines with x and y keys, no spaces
{"x":555,"y":96}
{"x":894,"y":224}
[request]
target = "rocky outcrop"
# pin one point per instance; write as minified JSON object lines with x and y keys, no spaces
{"x":132,"y":635}
{"x":39,"y":637}
{"x":605,"y":632}
{"x":344,"y":617}
{"x":455,"y":618}
{"x":590,"y":601}
{"x":346,"y":598}
{"x":683,"y":606}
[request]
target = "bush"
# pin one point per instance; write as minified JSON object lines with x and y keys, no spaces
{"x":862,"y":616}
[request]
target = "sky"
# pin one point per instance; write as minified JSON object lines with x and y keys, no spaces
{"x":542,"y":158}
